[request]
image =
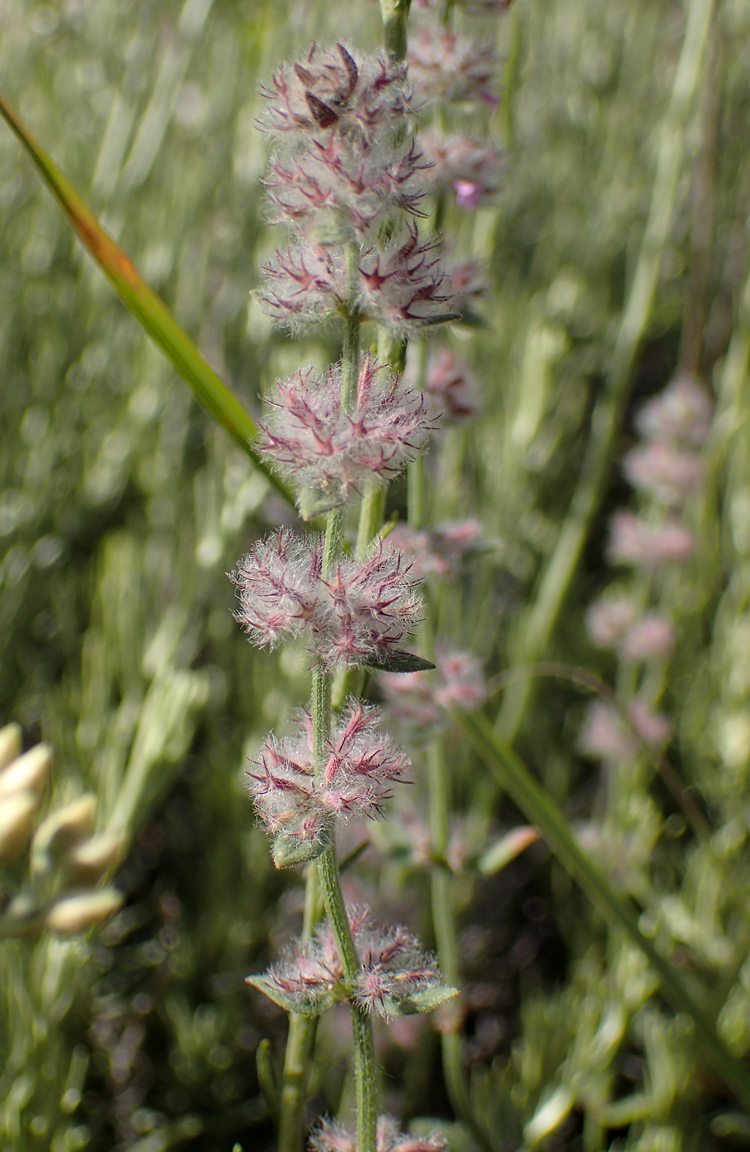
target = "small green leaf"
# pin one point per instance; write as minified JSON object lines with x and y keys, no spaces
{"x":422,"y":1001}
{"x":303,"y":1005}
{"x":267,"y":1077}
{"x":288,"y":851}
{"x":401,"y":662}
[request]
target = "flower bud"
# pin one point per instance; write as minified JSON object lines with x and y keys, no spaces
{"x":16,"y":820}
{"x":63,"y":830}
{"x":88,"y":862}
{"x":85,"y":910}
{"x":27,"y":773}
{"x":10,"y":744}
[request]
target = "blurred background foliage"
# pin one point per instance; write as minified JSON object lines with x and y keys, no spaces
{"x":121,"y":508}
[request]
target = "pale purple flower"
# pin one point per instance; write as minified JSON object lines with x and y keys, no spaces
{"x":422,"y":701}
{"x":395,"y":976}
{"x":608,"y":619}
{"x":450,"y":388}
{"x":681,"y":414}
{"x":444,"y":65}
{"x":606,"y":735}
{"x":340,"y":189}
{"x":361,"y":764}
{"x":402,"y":285}
{"x":331,"y":453}
{"x":652,"y":638}
{"x":373,"y":608}
{"x":330,"y":1136}
{"x":331,"y":89}
{"x":439,"y":551}
{"x":472,"y":169}
{"x":306,"y":285}
{"x":280,"y":588}
{"x":649,"y":546}
{"x":667,"y":473}
{"x":362,"y":615}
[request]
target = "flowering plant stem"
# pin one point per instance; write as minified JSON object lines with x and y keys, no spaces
{"x":327,"y":871}
{"x":513,"y":775}
{"x":605,"y":421}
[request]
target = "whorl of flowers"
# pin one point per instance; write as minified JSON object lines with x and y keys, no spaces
{"x":331,"y":452}
{"x":298,"y":806}
{"x":330,"y":1136}
{"x":449,"y":385}
{"x":363,"y":615}
{"x":329,"y":88}
{"x":402,"y":285}
{"x":439,"y":551}
{"x":341,"y":173}
{"x":444,"y":65}
{"x":421,"y":702}
{"x":395,"y":976}
{"x":473,"y":170}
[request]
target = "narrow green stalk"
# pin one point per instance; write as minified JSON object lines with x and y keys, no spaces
{"x":395,"y":14}
{"x":328,"y":869}
{"x":539,"y":808}
{"x":299,"y":1043}
{"x":556,"y":578}
{"x":371,"y":514}
{"x":446,"y":936}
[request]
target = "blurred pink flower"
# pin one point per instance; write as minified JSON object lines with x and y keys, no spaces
{"x":608,"y":619}
{"x":472,"y":169}
{"x":422,"y":701}
{"x":649,"y":546}
{"x":444,"y":65}
{"x":681,"y":414}
{"x":438,"y":552}
{"x":606,"y":736}
{"x":667,"y":473}
{"x":651,"y":638}
{"x":450,"y":388}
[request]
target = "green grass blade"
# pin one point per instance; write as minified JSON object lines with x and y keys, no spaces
{"x":539,"y":808}
{"x":146,"y":306}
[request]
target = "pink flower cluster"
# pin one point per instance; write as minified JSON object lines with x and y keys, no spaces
{"x":444,"y":65}
{"x":298,"y":807}
{"x":339,"y":172}
{"x":421,"y":702}
{"x":665,"y":468}
{"x":449,"y":386}
{"x":473,"y":170}
{"x":331,"y":452}
{"x":667,"y":465}
{"x":332,"y":1137}
{"x":395,"y":977}
{"x":439,"y":551}
{"x":362,"y":615}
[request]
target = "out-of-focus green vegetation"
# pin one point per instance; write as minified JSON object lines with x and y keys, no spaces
{"x":122,"y":507}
